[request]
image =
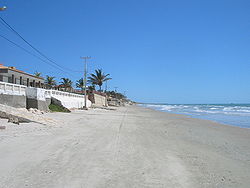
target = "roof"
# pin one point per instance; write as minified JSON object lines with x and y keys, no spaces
{"x":19,"y":71}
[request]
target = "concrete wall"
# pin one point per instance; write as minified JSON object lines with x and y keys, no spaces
{"x":68,"y":100}
{"x":29,"y":97}
{"x":99,"y":100}
{"x":41,"y":98}
{"x":48,"y":101}
{"x":12,"y":95}
{"x":34,"y":103}
{"x":36,"y":98}
{"x":17,"y":101}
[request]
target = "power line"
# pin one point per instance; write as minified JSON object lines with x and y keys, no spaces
{"x":34,"y":48}
{"x":34,"y":55}
{"x":14,"y":31}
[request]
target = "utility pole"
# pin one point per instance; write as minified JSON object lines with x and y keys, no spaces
{"x":106,"y":95}
{"x":106,"y":86}
{"x":85,"y":80}
{"x":116,"y":92}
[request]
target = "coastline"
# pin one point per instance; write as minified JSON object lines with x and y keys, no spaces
{"x":227,"y":114}
{"x":190,"y":116}
{"x":130,"y":147}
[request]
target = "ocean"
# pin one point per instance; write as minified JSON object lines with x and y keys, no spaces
{"x":230,"y":114}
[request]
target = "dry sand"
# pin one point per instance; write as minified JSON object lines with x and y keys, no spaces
{"x":129,"y":147}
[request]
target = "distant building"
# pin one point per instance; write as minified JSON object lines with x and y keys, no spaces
{"x":12,"y":75}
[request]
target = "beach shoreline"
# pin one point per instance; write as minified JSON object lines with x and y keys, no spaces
{"x":237,"y":115}
{"x":131,"y":146}
{"x":192,"y":117}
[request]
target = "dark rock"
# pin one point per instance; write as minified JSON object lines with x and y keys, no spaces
{"x":13,"y":119}
{"x":2,"y":127}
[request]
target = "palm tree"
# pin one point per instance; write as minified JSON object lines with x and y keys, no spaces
{"x":80,"y":84}
{"x":67,"y":83}
{"x":98,"y":78}
{"x":38,"y":74}
{"x":50,"y":81}
{"x":91,"y":88}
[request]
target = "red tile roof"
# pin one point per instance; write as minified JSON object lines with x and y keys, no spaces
{"x":16,"y":70}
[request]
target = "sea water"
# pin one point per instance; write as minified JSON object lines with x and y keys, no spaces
{"x":231,"y":114}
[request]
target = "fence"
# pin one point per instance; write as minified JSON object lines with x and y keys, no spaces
{"x":51,"y":93}
{"x":12,"y":89}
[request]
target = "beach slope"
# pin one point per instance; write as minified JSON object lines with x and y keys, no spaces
{"x":127,"y":147}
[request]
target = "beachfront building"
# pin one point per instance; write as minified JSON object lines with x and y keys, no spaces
{"x":15,"y":76}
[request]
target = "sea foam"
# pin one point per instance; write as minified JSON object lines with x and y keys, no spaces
{"x":232,"y":114}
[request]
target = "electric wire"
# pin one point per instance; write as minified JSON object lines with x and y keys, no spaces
{"x":8,"y":26}
{"x":34,"y":55}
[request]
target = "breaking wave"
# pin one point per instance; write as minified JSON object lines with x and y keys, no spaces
{"x":233,"y":114}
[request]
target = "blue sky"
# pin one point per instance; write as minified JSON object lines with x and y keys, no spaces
{"x":156,"y":50}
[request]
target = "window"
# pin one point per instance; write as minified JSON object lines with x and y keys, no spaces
{"x":13,"y":79}
{"x":9,"y":79}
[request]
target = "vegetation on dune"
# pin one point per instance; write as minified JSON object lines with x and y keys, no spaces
{"x":116,"y":95}
{"x":58,"y":108}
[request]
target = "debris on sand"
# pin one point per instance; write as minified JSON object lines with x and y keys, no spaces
{"x":2,"y":127}
{"x":22,"y":115}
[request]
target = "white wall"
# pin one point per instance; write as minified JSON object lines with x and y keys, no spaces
{"x":68,"y":100}
{"x":100,"y":100}
{"x":36,"y":93}
{"x":12,"y":89}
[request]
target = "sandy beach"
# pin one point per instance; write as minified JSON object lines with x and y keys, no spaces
{"x":127,"y":147}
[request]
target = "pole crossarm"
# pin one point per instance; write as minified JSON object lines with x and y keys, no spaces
{"x":3,"y":8}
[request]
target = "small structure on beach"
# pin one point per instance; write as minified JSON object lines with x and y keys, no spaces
{"x":97,"y":98}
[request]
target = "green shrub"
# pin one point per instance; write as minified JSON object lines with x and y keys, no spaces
{"x":57,"y":108}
